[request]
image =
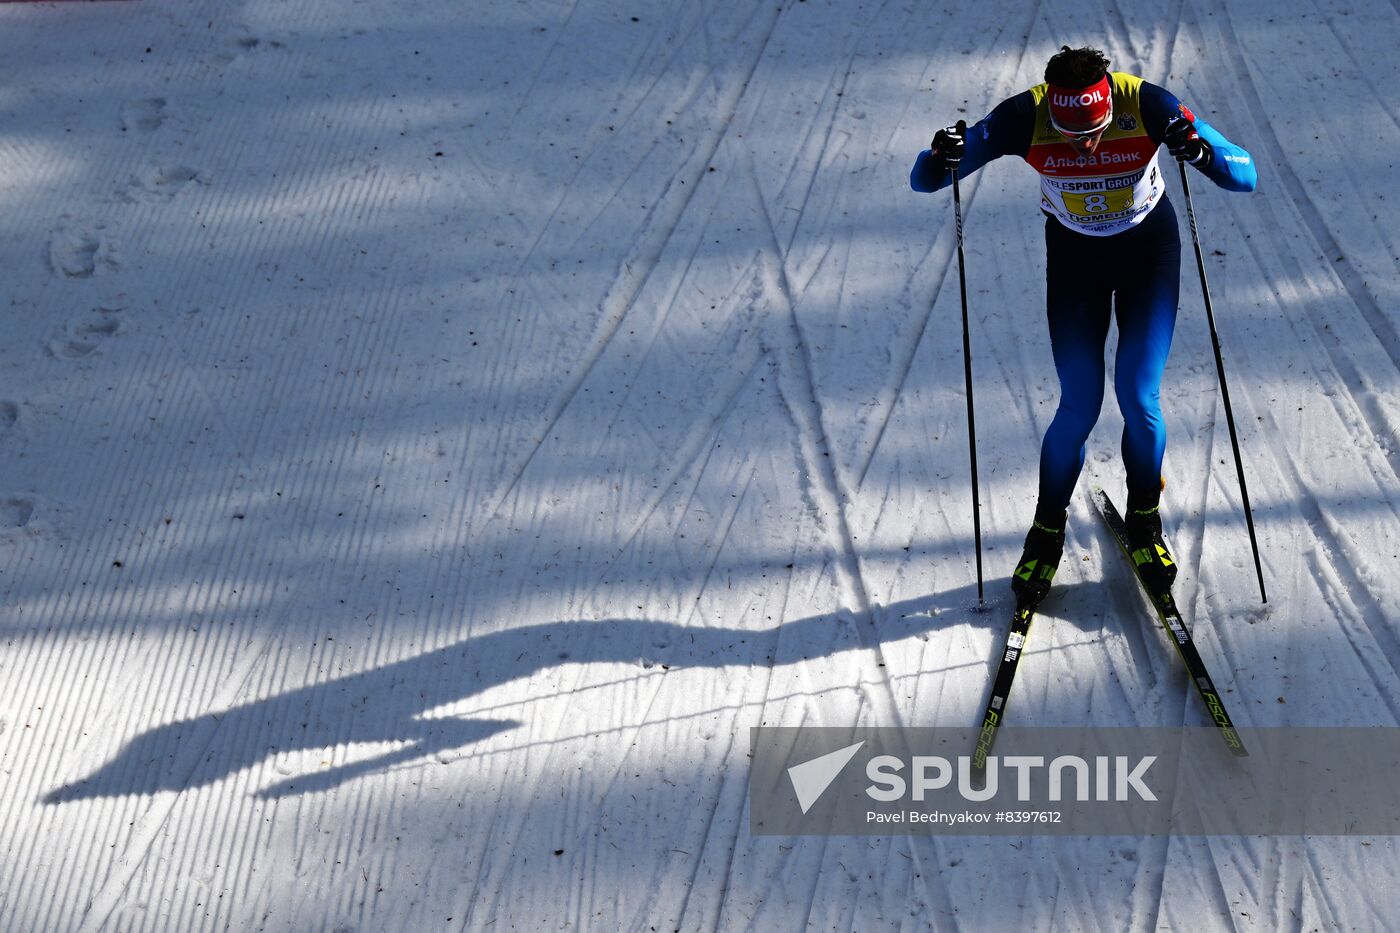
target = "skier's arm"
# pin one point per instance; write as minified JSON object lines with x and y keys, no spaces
{"x":1229,"y":166}
{"x":1004,"y":131}
{"x":1232,"y":168}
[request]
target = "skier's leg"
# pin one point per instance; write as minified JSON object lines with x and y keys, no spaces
{"x":1077,"y":299}
{"x":1146,"y":311}
{"x":1078,"y":306}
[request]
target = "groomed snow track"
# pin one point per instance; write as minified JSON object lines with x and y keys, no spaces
{"x":432,"y":433}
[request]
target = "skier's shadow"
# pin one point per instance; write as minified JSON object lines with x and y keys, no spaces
{"x":387,"y":704}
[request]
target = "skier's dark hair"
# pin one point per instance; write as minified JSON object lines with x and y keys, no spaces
{"x":1076,"y":67}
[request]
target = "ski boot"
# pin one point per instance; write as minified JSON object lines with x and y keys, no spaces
{"x":1039,"y":560}
{"x":1149,"y":552}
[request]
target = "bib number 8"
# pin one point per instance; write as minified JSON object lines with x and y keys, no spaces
{"x":1091,"y":205}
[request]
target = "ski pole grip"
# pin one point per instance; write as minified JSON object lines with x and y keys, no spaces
{"x":961,"y":127}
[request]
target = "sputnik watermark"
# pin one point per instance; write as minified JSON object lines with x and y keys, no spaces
{"x":1107,"y":778}
{"x":962,"y":817}
{"x":1114,"y":778}
{"x":892,"y":779}
{"x":811,"y":778}
{"x":1080,"y":781}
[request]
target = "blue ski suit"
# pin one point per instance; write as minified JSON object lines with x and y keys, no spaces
{"x":1112,"y":244}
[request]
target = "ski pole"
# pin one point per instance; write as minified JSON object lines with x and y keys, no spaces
{"x":967,"y":371}
{"x":1224,"y":388}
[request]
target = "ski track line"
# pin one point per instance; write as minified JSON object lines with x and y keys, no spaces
{"x":1113,"y":12}
{"x":1156,"y":65}
{"x":696,"y":459}
{"x":722,"y":897}
{"x":484,"y":879}
{"x":105,"y":634}
{"x":814,"y":879}
{"x":493,"y":865}
{"x":825,"y":148}
{"x":1286,"y":868}
{"x":1199,"y":605}
{"x":699,"y":443}
{"x":672,"y":47}
{"x":635,"y":730}
{"x":933,"y":891}
{"x":658,"y":230}
{"x":112,"y":217}
{"x":905,"y":364}
{"x":545,"y":228}
{"x":908,"y":352}
{"x":1060,"y":884}
{"x":1333,"y":588}
{"x":1222,"y":896}
{"x":1271,"y":876}
{"x":658,"y":326}
{"x":690,"y":93}
{"x":1176,"y":22}
{"x":1322,"y":896}
{"x":801,"y":402}
{"x":687,"y":170}
{"x":1376,"y":317}
{"x":1298,"y":909}
{"x":809,"y":693}
{"x":726,"y":760}
{"x":1354,"y":386}
{"x":1207,"y":473}
{"x":528,"y":96}
{"x":1122,"y":670}
{"x":1155,"y":658}
{"x":644,"y":721}
{"x":724,"y":537}
{"x":1338,"y":545}
{"x":822,"y":150}
{"x":1165,"y":32}
{"x":1360,"y":69}
{"x":1150,"y":876}
{"x":592,"y":732}
{"x":108,"y":897}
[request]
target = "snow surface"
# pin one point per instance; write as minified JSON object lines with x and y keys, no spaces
{"x":433,"y":432}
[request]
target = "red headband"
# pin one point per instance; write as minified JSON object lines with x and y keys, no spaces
{"x":1084,"y":107}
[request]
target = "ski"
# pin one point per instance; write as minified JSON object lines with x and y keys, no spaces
{"x":1175,"y":625}
{"x":1001,"y":687}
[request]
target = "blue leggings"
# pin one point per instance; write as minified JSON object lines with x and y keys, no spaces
{"x":1142,"y":268}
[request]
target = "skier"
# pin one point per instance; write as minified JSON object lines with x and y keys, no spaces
{"x":1093,"y":136}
